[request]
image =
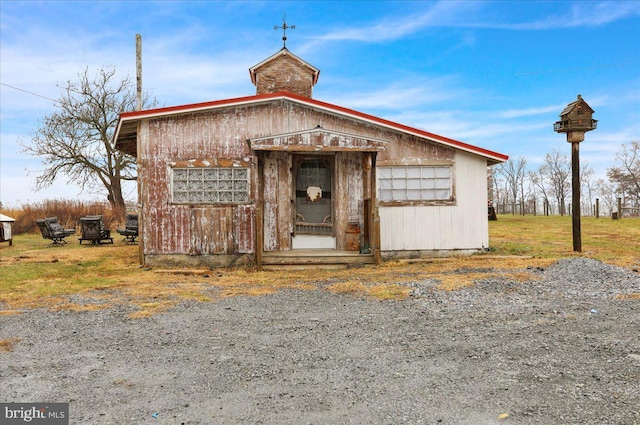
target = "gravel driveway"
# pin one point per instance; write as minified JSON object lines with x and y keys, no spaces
{"x":564,"y":349}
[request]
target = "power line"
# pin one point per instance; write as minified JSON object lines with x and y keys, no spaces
{"x":28,"y":92}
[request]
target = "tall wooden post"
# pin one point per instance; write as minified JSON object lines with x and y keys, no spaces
{"x":575,"y":120}
{"x":141,"y":218}
{"x":139,"y":71}
{"x":619,"y":207}
{"x":575,"y":196}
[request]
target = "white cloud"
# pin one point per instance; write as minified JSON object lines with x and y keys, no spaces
{"x":402,"y":95}
{"x":582,"y":14}
{"x":518,"y":113}
{"x":441,"y":13}
{"x":466,"y":14}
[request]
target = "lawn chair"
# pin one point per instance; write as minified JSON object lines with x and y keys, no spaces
{"x":52,"y":223}
{"x":130,"y":231}
{"x":56,"y":236}
{"x":93,"y":230}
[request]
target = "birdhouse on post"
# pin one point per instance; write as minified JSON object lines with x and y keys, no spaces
{"x":575,"y":120}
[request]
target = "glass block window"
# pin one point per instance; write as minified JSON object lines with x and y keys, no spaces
{"x":414,"y":183}
{"x":210,"y":185}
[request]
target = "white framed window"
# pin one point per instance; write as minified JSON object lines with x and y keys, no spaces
{"x":210,"y":185}
{"x":414,"y":183}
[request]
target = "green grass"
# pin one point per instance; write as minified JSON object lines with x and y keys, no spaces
{"x":35,"y":275}
{"x":612,"y":241}
{"x":32,"y":270}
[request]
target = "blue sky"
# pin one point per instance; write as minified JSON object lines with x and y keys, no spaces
{"x":495,"y":74}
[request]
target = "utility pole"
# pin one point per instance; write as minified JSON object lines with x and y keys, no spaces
{"x":139,"y":71}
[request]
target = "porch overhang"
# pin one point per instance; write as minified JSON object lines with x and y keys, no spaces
{"x":317,"y":140}
{"x":127,"y":140}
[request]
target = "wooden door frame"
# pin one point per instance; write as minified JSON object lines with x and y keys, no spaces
{"x":372,"y":221}
{"x":296,"y":160}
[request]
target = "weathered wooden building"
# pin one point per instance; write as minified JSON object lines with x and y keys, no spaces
{"x":244,"y":180}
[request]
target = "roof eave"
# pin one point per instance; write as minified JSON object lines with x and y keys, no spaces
{"x":313,"y":103}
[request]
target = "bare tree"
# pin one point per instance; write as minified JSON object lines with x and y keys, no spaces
{"x":608,"y":194}
{"x":555,"y":171}
{"x":586,"y":180}
{"x":537,"y":180}
{"x":77,"y":139}
{"x":514,"y":172}
{"x":626,"y":173}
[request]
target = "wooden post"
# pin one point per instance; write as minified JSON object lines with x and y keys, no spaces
{"x":575,"y":188}
{"x":575,"y":120}
{"x":141,"y":217}
{"x":597,"y":208}
{"x":375,"y":212}
{"x":139,"y":71}
{"x":619,"y":207}
{"x":260,"y":210}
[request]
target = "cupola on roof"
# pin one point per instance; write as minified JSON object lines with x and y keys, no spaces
{"x":284,"y":72}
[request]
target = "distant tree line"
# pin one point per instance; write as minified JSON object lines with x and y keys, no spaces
{"x":518,"y":189}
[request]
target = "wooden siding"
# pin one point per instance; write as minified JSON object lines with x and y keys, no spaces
{"x":317,"y":140}
{"x":410,"y":150}
{"x":219,"y":138}
{"x":277,"y":186}
{"x":349,"y":194}
{"x":460,"y":226}
{"x":193,"y":141}
{"x":284,"y":73}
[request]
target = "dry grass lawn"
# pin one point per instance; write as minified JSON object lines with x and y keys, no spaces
{"x":82,"y":277}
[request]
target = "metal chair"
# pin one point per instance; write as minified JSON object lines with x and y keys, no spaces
{"x":130,"y":231}
{"x":56,"y":236}
{"x":93,"y":230}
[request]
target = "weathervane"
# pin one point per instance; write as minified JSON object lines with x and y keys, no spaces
{"x":284,"y":29}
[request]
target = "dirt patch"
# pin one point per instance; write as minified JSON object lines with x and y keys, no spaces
{"x":561,"y":347}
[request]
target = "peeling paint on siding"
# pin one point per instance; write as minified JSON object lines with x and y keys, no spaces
{"x":218,"y":138}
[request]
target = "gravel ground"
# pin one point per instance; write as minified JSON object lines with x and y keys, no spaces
{"x":564,"y":349}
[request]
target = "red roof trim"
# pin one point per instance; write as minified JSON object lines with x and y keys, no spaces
{"x":200,"y":106}
{"x":194,"y":107}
